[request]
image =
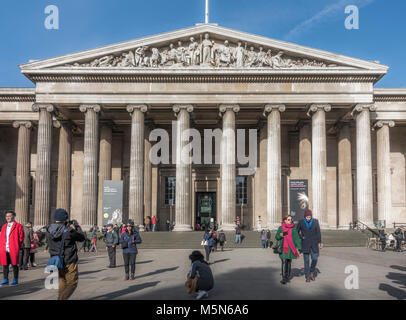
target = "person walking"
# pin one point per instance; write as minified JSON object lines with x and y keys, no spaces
{"x":69,"y":232}
{"x":215,"y":240}
{"x":201,"y":269}
{"x":382,"y":238}
{"x":263,"y":239}
{"x":289,"y":244}
{"x":154,"y":222}
{"x":222,"y":239}
{"x":309,"y":232}
{"x":168,"y":225}
{"x":11,"y":239}
{"x":268,"y":239}
{"x":93,"y":239}
{"x":399,"y":239}
{"x":128,"y":241}
{"x":207,"y":243}
{"x":26,"y":246}
{"x":112,"y":241}
{"x":237,"y":234}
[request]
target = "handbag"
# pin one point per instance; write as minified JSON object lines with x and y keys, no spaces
{"x":204,"y":243}
{"x":278,"y":248}
{"x":124,"y":244}
{"x":58,"y":261}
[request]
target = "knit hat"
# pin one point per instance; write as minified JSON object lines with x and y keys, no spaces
{"x":308,"y":213}
{"x":60,"y":215}
{"x":196,"y":255}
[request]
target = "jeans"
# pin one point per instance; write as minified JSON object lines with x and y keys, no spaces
{"x":112,"y":256}
{"x":207,"y":249}
{"x":129,"y":260}
{"x":307,"y":260}
{"x":153,"y":227}
{"x":24,"y":257}
{"x":237,"y":238}
{"x":264,"y":244}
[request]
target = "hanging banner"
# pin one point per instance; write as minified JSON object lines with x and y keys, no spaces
{"x":112,"y":202}
{"x":299,"y":198}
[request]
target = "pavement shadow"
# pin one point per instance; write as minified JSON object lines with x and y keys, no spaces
{"x":156,"y":272}
{"x":219,"y":261}
{"x":253,"y":284}
{"x":22,"y":289}
{"x":296,"y":272}
{"x":398,"y":279}
{"x":120,"y":293}
{"x":143,"y":262}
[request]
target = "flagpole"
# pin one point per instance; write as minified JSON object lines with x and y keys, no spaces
{"x":207,"y":11}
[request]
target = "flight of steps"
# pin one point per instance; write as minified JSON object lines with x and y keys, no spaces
{"x":192,"y":240}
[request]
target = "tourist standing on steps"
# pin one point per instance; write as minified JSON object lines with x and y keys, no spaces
{"x":111,"y":245}
{"x":237,"y":234}
{"x":289,"y":243}
{"x":12,"y":236}
{"x":268,"y":239}
{"x":154,"y":221}
{"x":128,"y":241}
{"x":71,"y":232}
{"x":382,"y":238}
{"x":263,"y":239}
{"x":26,"y":246}
{"x":309,"y":232}
{"x":207,"y":241}
{"x":222,"y":240}
{"x":201,"y":269}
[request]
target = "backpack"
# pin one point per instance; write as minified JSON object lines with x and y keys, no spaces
{"x":58,"y":261}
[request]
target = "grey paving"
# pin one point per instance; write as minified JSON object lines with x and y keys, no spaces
{"x":239,"y":274}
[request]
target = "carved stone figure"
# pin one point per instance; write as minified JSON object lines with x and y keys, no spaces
{"x":194,"y":52}
{"x":207,"y":48}
{"x":277,"y":61}
{"x":251,"y":57}
{"x":172,"y":54}
{"x":139,"y":56}
{"x":261,"y":58}
{"x":225,"y":54}
{"x":155,"y":58}
{"x":127,"y":60}
{"x":180,"y":53}
{"x":239,"y":55}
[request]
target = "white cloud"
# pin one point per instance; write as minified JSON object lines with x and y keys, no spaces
{"x":331,"y":10}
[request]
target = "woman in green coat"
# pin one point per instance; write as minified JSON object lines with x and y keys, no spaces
{"x":289,"y":242}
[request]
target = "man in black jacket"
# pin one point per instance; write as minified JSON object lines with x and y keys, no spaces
{"x":309,"y":232}
{"x":111,"y":243}
{"x":69,"y":275}
{"x":399,"y":239}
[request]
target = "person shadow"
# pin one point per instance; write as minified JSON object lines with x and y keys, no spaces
{"x":397,"y":278}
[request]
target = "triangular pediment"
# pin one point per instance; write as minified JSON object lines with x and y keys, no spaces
{"x":203,"y":47}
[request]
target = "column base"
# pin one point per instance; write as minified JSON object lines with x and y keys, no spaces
{"x":324,"y":226}
{"x":182,"y":228}
{"x":227,"y":227}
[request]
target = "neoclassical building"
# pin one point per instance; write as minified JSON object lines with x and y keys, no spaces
{"x":89,"y":118}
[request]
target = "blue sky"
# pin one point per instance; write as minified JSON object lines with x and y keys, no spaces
{"x":87,"y":24}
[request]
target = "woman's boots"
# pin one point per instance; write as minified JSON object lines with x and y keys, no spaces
{"x":286,"y":270}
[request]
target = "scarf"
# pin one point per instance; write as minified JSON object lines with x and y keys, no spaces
{"x":308,"y":224}
{"x":288,"y":240}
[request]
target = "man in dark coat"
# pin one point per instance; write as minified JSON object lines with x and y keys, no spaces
{"x":399,"y":239}
{"x":69,"y":274}
{"x":309,"y":232}
{"x":26,"y":246}
{"x":112,"y":241}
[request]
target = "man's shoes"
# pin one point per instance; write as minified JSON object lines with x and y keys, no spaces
{"x":312,"y":277}
{"x":307,"y":279}
{"x":132,"y":277}
{"x":283,"y":281}
{"x":15,"y":282}
{"x":201,"y":294}
{"x":4,"y":282}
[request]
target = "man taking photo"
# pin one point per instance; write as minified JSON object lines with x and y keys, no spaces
{"x":70,"y":232}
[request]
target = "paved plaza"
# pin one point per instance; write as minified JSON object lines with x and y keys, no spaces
{"x":239,"y":274}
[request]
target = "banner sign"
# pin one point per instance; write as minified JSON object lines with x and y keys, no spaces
{"x":112,"y":202}
{"x":299,"y":198}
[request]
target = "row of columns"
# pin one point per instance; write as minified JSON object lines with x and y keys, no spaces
{"x":92,"y":163}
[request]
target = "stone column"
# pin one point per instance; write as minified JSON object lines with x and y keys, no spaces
{"x":227,"y":153}
{"x":305,"y":155}
{"x":319,"y":162}
{"x":43,"y":169}
{"x":64,"y":164}
{"x":106,"y":138}
{"x":22,"y":201}
{"x":384,"y":171}
{"x":136,"y":189}
{"x":274,"y":182}
{"x":364,"y":163}
{"x":183,"y":200}
{"x":90,"y":172}
{"x":344,"y":176}
{"x":147,"y":174}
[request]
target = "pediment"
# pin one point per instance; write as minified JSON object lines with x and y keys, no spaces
{"x":203,"y":47}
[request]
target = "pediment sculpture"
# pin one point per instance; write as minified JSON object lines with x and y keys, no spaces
{"x":206,"y":53}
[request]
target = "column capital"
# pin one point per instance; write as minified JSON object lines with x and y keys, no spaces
{"x":18,"y":124}
{"x":36,"y":107}
{"x":361,"y":107}
{"x":85,"y":107}
{"x":381,"y":123}
{"x":316,"y":107}
{"x":271,"y":107}
{"x":177,"y":107}
{"x":141,"y":107}
{"x":229,"y":107}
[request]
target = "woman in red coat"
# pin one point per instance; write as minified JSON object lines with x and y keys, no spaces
{"x":11,"y":238}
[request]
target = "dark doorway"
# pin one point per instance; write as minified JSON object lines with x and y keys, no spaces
{"x":205,"y":208}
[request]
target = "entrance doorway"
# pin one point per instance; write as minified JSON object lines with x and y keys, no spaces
{"x":205,"y":208}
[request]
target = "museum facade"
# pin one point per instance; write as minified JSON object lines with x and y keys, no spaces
{"x":93,"y":116}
